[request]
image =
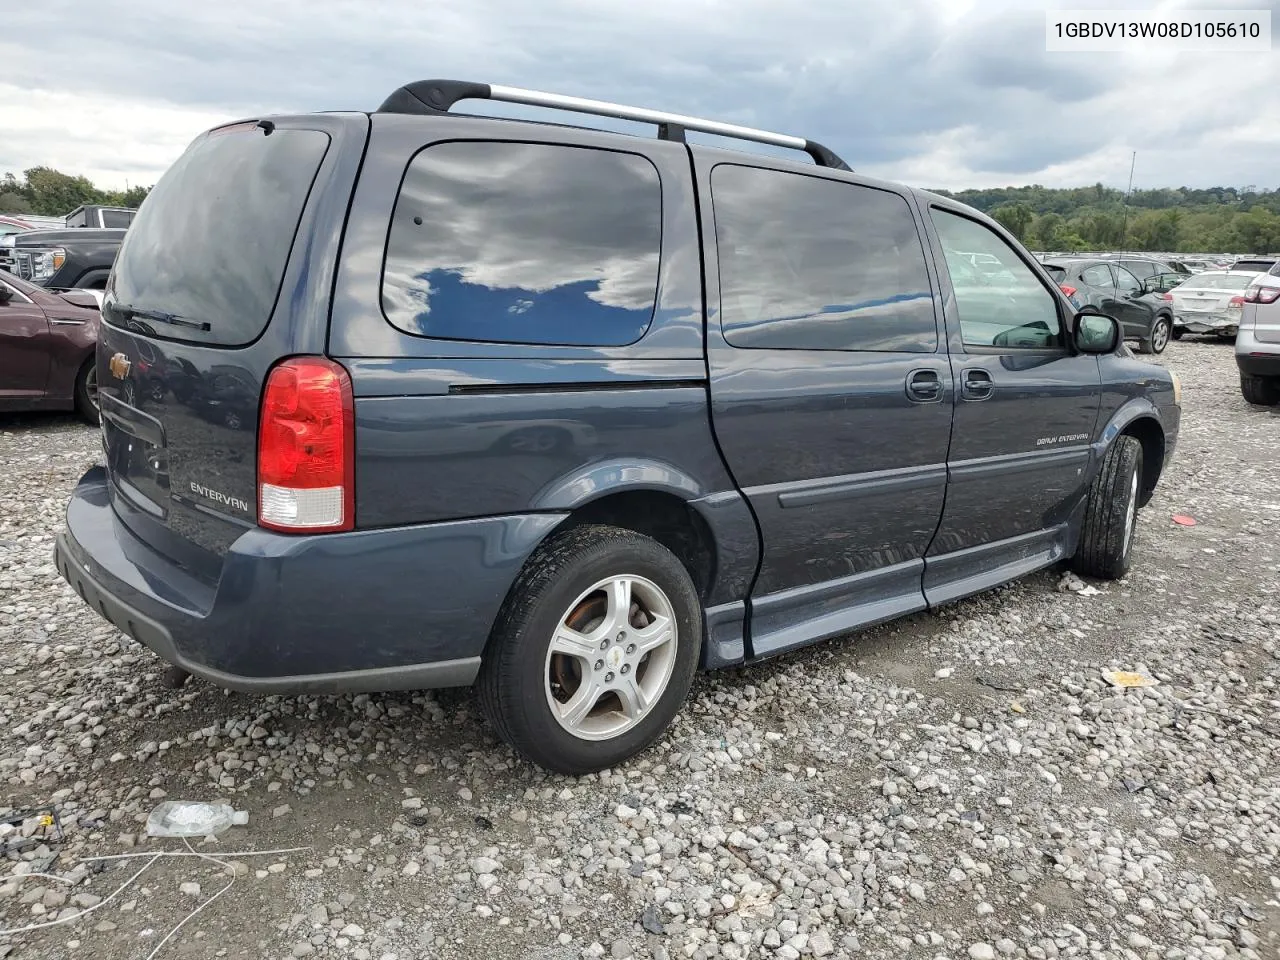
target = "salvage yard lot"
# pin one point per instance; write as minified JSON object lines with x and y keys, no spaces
{"x":958,"y":784}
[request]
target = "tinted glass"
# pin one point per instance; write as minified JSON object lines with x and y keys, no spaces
{"x":814,"y":264}
{"x":1126,"y":282}
{"x":1099,"y":275}
{"x":211,"y":241}
{"x":525,"y":243}
{"x":1058,"y":273}
{"x":1009,"y":309}
{"x":1260,"y":265}
{"x":116,"y":218}
{"x":1141,"y":268}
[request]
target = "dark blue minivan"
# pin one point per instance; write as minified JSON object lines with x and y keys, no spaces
{"x":413,"y":399}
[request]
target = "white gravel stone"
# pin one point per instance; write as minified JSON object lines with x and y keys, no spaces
{"x":838,"y":798}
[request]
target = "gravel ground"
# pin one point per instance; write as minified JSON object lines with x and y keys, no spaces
{"x":962,"y":784}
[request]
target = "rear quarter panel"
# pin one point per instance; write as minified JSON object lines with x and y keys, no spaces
{"x":451,"y":429}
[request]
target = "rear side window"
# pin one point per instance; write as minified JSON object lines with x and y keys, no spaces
{"x":210,"y":243}
{"x":525,"y":243}
{"x":1099,"y":275}
{"x":813,"y":264}
{"x":117,"y":218}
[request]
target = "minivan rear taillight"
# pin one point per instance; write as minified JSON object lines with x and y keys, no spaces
{"x":1257,"y":293}
{"x":306,"y":448}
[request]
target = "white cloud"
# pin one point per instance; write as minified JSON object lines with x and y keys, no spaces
{"x":948,"y":93}
{"x":110,"y":140}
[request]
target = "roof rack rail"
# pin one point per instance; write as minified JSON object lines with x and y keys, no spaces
{"x":437,"y":96}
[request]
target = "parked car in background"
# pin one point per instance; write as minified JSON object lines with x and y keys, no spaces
{"x":1210,"y":303}
{"x":96,"y":216}
{"x":62,"y":259}
{"x":1146,"y":267}
{"x":1255,"y":264}
{"x":820,"y":449}
{"x":41,"y":222}
{"x":1144,"y":315}
{"x":10,"y":225}
{"x":47,"y":343}
{"x":1258,"y":340}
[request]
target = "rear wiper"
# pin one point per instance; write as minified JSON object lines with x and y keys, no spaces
{"x":134,"y":313}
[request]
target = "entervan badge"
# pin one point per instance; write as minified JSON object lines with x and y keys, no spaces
{"x":119,"y":366}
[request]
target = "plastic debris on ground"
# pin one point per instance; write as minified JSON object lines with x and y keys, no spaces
{"x":1128,"y":678}
{"x":1182,"y":520}
{"x":188,"y":818}
{"x":1070,"y":583}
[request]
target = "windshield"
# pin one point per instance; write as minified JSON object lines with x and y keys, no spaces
{"x":211,"y":242}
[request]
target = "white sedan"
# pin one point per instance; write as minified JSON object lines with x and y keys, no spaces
{"x":1210,"y":302}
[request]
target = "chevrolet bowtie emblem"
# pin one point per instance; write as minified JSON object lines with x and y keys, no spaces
{"x":120,"y":366}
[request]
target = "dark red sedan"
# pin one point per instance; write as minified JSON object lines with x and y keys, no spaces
{"x":47,"y":342}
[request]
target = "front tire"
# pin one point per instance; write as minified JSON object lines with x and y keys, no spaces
{"x":86,"y":393}
{"x":1263,"y":391}
{"x":594,"y":650}
{"x":1111,"y":513}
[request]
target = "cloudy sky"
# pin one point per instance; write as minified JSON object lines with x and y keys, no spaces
{"x":947,"y":93}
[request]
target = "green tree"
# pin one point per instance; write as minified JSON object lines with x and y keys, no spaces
{"x":53,"y":193}
{"x":1014,"y":217}
{"x":1043,"y":232}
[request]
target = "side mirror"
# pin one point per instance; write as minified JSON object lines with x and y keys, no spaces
{"x":5,"y":294}
{"x":1096,"y":333}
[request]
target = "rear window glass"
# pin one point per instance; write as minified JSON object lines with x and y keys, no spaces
{"x":808,"y":263}
{"x":525,"y":243}
{"x":1056,"y":272}
{"x":117,"y":218}
{"x":211,"y":241}
{"x":1262,"y":266}
{"x":1218,"y":281}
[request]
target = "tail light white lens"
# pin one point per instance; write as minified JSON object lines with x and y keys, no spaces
{"x":1257,"y":293}
{"x":306,"y":448}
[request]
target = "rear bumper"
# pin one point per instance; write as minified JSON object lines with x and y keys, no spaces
{"x":398,"y":609}
{"x":1207,"y":323}
{"x":1256,"y":358}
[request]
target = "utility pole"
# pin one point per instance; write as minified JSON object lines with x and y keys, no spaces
{"x":1124,"y":225}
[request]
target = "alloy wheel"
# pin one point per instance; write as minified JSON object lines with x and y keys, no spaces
{"x":611,"y":657}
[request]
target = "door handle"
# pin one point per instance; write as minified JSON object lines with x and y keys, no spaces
{"x":976,"y":385}
{"x":924,"y":386}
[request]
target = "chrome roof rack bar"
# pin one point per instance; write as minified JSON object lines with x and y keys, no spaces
{"x":437,"y":96}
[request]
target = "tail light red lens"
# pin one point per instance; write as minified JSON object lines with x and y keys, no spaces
{"x":1236,"y":303}
{"x":1066,"y":288}
{"x":1166,"y":296}
{"x":1257,"y":293}
{"x":306,"y":448}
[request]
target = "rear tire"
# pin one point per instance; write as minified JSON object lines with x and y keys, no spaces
{"x":522,"y":676}
{"x":1263,"y":391}
{"x":1158,"y":337}
{"x":1111,"y":513}
{"x":86,"y":393}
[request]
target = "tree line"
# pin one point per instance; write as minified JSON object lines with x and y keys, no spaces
{"x":1182,"y":219}
{"x":48,"y":192}
{"x":1169,"y":220}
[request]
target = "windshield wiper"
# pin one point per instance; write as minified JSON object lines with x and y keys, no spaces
{"x":159,"y":316}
